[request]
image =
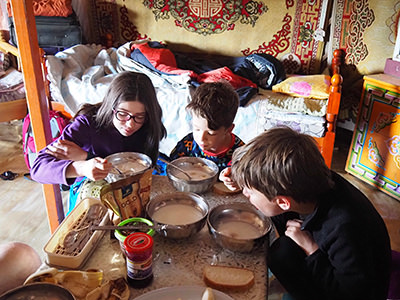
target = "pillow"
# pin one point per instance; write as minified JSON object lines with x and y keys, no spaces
{"x":308,"y":86}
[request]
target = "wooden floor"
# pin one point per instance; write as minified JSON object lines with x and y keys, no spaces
{"x":22,"y":208}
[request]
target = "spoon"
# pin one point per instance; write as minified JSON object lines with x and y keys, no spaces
{"x":74,"y":236}
{"x":116,"y":169}
{"x":126,"y":227}
{"x":94,"y":215}
{"x":179,"y":169}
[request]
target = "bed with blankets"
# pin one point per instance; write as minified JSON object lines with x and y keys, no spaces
{"x":268,"y":96}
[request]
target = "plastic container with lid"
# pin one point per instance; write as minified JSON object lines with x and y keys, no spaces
{"x":139,"y":259}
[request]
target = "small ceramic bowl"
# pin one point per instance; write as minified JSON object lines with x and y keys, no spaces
{"x":178,"y":215}
{"x":238,"y":226}
{"x":203,"y":174}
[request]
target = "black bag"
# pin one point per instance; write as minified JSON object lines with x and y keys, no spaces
{"x":53,"y":32}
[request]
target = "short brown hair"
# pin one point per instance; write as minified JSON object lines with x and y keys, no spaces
{"x":217,"y":102}
{"x":282,"y":162}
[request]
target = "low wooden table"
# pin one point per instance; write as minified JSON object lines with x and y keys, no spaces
{"x":181,"y":262}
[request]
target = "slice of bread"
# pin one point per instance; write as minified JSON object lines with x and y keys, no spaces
{"x":228,"y":278}
{"x":221,"y":189}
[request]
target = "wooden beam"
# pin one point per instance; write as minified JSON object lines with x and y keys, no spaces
{"x":38,"y":105}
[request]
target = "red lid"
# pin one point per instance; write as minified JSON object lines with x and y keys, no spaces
{"x":138,"y":242}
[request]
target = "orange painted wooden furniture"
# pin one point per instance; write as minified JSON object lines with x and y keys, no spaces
{"x":374,"y":155}
{"x":38,"y":104}
{"x":326,"y":143}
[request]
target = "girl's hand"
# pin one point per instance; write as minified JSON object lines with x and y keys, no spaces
{"x":302,"y":238}
{"x":225,"y":177}
{"x":95,"y":169}
{"x":66,"y":150}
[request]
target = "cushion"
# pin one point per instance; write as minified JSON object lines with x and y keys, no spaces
{"x":308,"y":86}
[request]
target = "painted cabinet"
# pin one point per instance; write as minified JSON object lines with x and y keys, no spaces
{"x":374,"y":154}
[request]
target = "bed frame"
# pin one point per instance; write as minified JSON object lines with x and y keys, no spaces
{"x":39,"y":105}
{"x":327,"y":142}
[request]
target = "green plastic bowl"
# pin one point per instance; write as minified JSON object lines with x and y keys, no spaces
{"x":121,"y":236}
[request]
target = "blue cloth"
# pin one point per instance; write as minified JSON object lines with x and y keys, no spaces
{"x":74,"y":191}
{"x":161,"y":166}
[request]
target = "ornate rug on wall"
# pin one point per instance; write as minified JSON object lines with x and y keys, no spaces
{"x":366,"y":30}
{"x":290,"y":30}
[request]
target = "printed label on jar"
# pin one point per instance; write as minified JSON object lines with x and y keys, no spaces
{"x":139,"y":270}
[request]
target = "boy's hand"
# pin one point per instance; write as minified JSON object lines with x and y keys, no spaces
{"x":225,"y":177}
{"x":66,"y":150}
{"x":301,"y":237}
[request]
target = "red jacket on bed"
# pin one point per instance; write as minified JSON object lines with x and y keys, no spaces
{"x":164,"y":60}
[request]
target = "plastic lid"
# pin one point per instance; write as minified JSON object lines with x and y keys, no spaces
{"x":138,"y":242}
{"x":119,"y":234}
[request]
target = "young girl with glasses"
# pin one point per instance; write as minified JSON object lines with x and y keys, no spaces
{"x":127,"y":120}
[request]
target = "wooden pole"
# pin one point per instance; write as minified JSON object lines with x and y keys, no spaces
{"x":38,"y":105}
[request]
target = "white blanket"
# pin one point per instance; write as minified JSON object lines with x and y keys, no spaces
{"x":82,"y":74}
{"x":11,"y":85}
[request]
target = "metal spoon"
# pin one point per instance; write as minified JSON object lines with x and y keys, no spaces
{"x":118,"y":170}
{"x":179,"y":169}
{"x":126,"y":227}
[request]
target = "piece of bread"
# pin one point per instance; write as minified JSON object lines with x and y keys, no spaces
{"x":228,"y":278}
{"x":221,"y":189}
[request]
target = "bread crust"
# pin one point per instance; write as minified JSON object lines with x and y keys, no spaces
{"x":228,"y":278}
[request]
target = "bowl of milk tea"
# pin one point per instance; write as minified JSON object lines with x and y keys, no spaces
{"x":192,"y":174}
{"x":127,"y":164}
{"x":238,"y":226}
{"x":177,"y":215}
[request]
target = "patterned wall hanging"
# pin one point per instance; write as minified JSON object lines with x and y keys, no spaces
{"x":207,"y":16}
{"x":105,"y":17}
{"x":351,"y":20}
{"x":306,"y":42}
{"x":210,"y":16}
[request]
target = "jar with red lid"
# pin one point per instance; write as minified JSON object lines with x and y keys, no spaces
{"x":139,"y":259}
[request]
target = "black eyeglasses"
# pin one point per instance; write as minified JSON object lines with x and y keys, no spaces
{"x":125,"y":117}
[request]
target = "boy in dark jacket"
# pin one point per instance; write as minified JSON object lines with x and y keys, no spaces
{"x":332,"y":244}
